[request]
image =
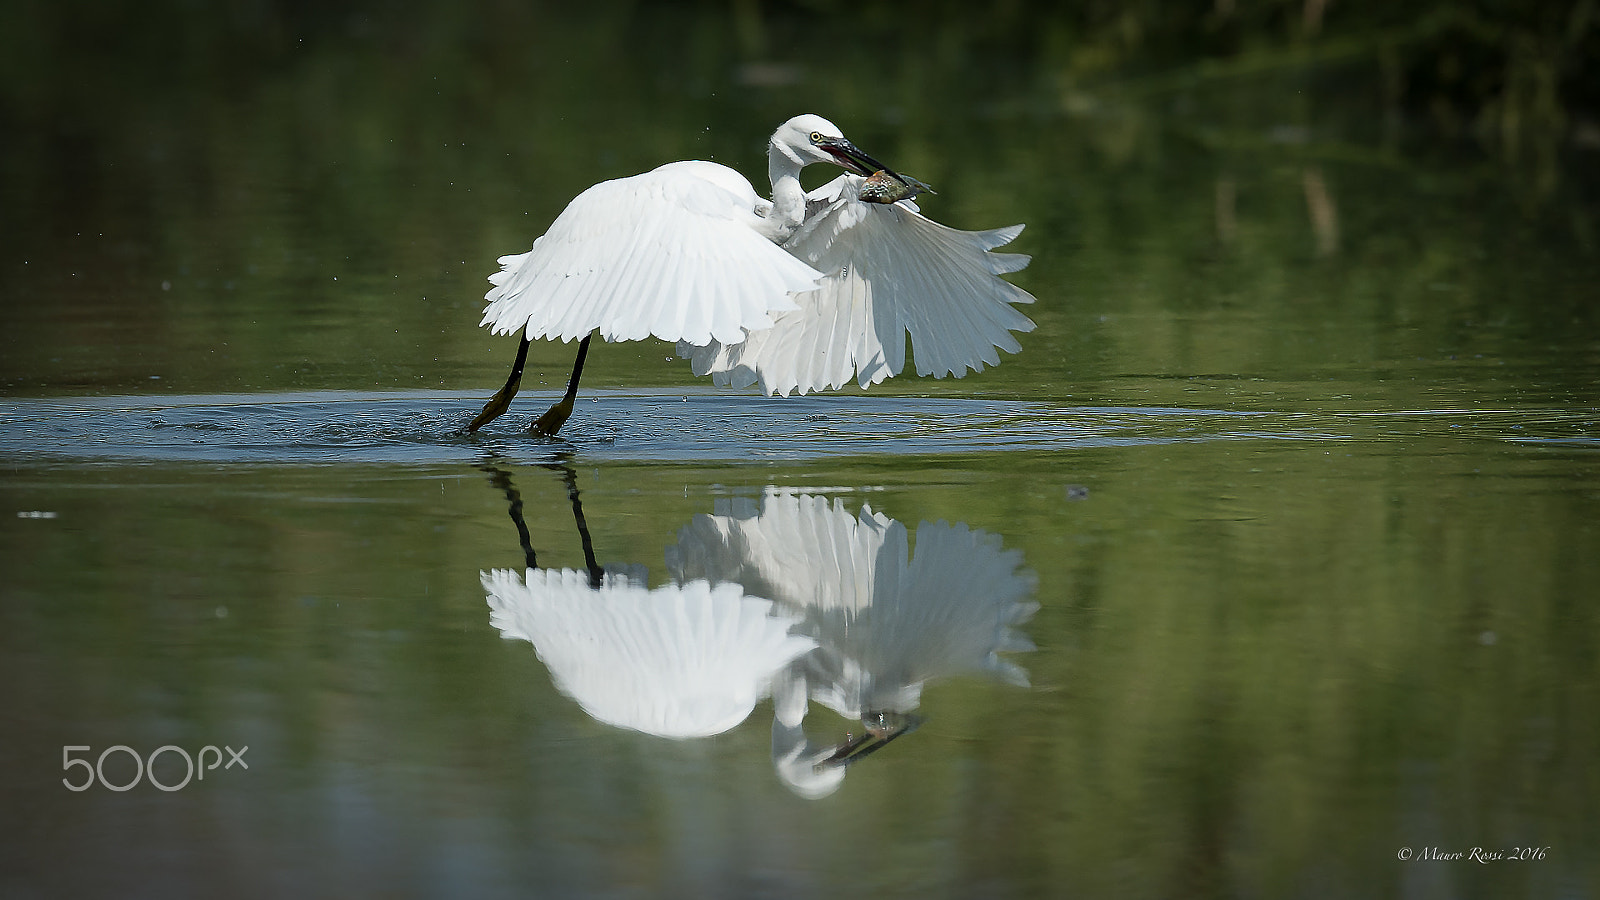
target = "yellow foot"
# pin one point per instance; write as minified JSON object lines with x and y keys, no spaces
{"x":497,"y":404}
{"x":548,"y":424}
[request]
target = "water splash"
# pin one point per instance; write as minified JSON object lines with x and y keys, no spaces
{"x":425,"y":427}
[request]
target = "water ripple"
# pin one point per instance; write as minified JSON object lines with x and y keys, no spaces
{"x":425,"y":427}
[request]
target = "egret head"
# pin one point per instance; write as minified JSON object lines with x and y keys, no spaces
{"x":809,"y":139}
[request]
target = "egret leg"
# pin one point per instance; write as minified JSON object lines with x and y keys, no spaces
{"x":556,"y":416}
{"x":502,"y":399}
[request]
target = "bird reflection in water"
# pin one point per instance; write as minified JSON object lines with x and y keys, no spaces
{"x":682,"y":660}
{"x":885,"y":622}
{"x":787,"y":594}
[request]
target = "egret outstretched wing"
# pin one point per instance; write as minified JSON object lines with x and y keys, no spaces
{"x":890,"y":272}
{"x":673,"y":253}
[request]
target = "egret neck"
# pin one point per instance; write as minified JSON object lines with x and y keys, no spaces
{"x":788,"y":197}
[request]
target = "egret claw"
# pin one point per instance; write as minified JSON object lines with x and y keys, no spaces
{"x":548,"y":424}
{"x":496,"y":406}
{"x":501,"y":401}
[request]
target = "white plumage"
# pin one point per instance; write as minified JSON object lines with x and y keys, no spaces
{"x":799,"y":293}
{"x":892,"y":272}
{"x":680,"y":661}
{"x":886,"y":621}
{"x":673,"y":253}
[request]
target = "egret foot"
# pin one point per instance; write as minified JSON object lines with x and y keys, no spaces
{"x":496,"y":406}
{"x":501,"y":401}
{"x":556,"y":416}
{"x":549,"y":423}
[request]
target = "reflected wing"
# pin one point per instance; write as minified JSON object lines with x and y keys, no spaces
{"x":966,"y":594}
{"x":678,"y":661}
{"x":672,"y":253}
{"x":886,"y":620}
{"x":802,"y":550}
{"x":891,"y":272}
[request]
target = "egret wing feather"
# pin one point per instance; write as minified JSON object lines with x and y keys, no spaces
{"x":672,"y":253}
{"x":891,"y":273}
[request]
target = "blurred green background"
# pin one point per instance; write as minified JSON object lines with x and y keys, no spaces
{"x":242,"y":196}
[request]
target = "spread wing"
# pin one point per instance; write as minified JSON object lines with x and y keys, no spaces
{"x":891,"y":272}
{"x":672,"y":253}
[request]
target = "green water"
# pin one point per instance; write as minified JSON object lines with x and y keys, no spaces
{"x":1301,"y":468}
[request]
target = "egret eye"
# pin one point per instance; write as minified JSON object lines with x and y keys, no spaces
{"x":816,"y":137}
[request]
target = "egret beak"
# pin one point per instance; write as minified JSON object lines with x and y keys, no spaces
{"x":851,"y":158}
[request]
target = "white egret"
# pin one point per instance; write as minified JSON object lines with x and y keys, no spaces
{"x":798,"y":293}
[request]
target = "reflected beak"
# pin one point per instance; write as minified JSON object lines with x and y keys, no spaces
{"x":881,"y":728}
{"x":851,"y":158}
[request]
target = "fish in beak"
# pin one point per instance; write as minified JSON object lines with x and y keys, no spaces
{"x":884,"y":185}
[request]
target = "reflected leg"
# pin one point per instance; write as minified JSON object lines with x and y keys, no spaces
{"x":597,"y":575}
{"x":502,"y":399}
{"x":501,"y":479}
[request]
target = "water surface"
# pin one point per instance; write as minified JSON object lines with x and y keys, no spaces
{"x":1299,"y":637}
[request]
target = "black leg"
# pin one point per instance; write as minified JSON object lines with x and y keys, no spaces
{"x":556,"y":416}
{"x":597,"y":575}
{"x":501,"y":479}
{"x":502,"y":400}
